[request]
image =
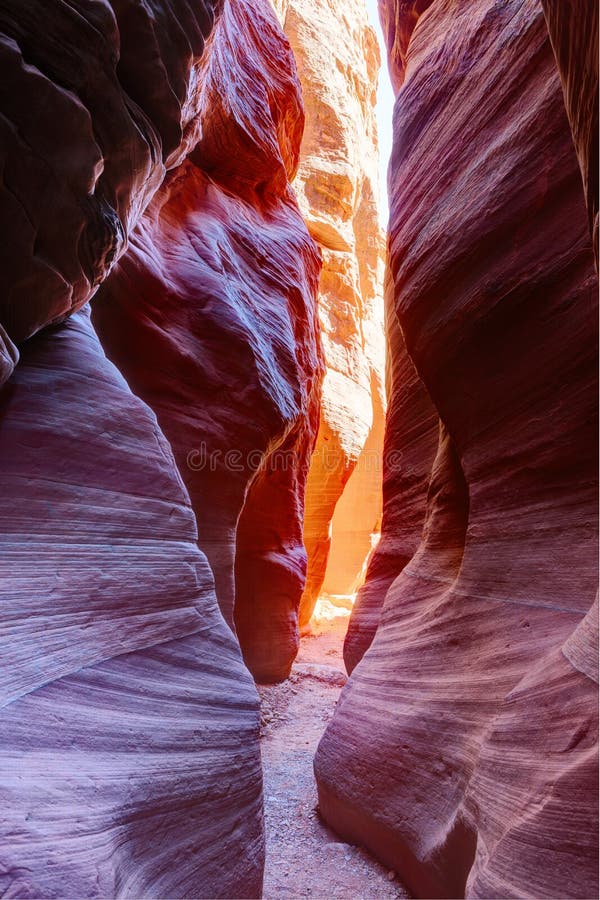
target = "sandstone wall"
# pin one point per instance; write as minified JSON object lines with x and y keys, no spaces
{"x":338,"y":62}
{"x":211,"y":316}
{"x":127,"y":714}
{"x":463,"y":749}
{"x":411,"y":440}
{"x":150,"y":149}
{"x":573,"y":29}
{"x":84,"y":141}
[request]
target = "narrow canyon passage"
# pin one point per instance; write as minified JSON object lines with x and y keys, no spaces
{"x":232,"y":390}
{"x":304,"y":858}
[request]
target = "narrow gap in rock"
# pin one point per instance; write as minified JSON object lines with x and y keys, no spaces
{"x":304,"y":857}
{"x":193,"y":478}
{"x":341,"y":186}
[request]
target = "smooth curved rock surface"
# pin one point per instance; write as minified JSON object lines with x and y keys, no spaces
{"x":539,"y":805}
{"x":463,"y":748}
{"x":573,"y":29}
{"x":129,"y":760}
{"x":337,"y":188}
{"x":97,"y":99}
{"x":411,"y":441}
{"x":211,"y":316}
{"x":9,"y":356}
{"x":398,"y":19}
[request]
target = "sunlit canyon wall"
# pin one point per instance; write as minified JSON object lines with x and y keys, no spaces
{"x":338,"y":61}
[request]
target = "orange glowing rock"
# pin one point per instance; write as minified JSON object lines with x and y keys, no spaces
{"x":337,"y":188}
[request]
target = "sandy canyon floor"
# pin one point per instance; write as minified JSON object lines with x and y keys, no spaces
{"x":304,"y":857}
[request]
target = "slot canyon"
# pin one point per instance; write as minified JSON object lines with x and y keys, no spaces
{"x":299,"y":518}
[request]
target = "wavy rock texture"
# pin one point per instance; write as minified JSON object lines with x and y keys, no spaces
{"x":398,"y":19}
{"x":9,"y":356}
{"x":211,"y":316}
{"x":539,"y":807}
{"x":411,"y":440}
{"x":96,"y":100}
{"x":129,"y":761}
{"x":463,"y":749}
{"x":337,"y":188}
{"x":573,"y":29}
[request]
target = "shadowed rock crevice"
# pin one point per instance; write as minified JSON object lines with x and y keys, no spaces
{"x":573,"y":30}
{"x":411,"y":440}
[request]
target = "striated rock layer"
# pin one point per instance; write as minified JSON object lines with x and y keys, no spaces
{"x":411,"y":440}
{"x":463,"y":750}
{"x":211,"y":316}
{"x":129,"y":761}
{"x":337,"y":187}
{"x":573,"y":29}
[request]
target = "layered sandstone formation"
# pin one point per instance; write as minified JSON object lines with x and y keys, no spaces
{"x":149,"y":149}
{"x":463,"y":749}
{"x":411,"y":439}
{"x":337,"y":187}
{"x":127,"y":713}
{"x":211,"y":317}
{"x":573,"y":29}
{"x":129,"y":759}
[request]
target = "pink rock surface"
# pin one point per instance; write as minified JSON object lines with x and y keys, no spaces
{"x":463,"y":748}
{"x":211,"y":316}
{"x":538,"y":806}
{"x":129,"y":761}
{"x":573,"y":29}
{"x":411,"y":441}
{"x":96,"y":99}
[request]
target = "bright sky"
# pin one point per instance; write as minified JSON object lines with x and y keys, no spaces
{"x":385,"y":107}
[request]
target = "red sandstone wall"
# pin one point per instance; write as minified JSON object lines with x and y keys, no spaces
{"x":129,"y":758}
{"x":463,"y":750}
{"x":573,"y":30}
{"x":128,"y":733}
{"x":84,"y":139}
{"x":211,"y":316}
